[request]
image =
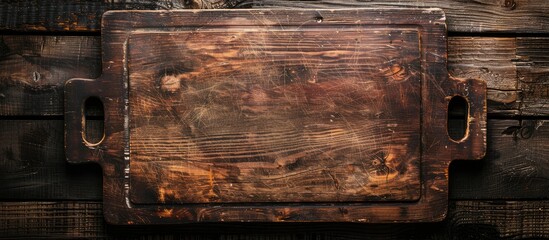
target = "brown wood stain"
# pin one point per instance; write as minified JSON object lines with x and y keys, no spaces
{"x":273,"y":115}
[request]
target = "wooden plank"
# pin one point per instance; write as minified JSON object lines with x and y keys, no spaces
{"x":462,"y":49}
{"x":33,"y":166}
{"x":492,"y":60}
{"x":83,"y":16}
{"x":463,"y":16}
{"x":63,"y":220}
{"x":55,"y":220}
{"x":486,"y":58}
{"x":466,"y":220}
{"x":519,"y":16}
{"x":499,"y":219}
{"x":516,"y":165}
{"x":33,"y":70}
{"x":52,"y":59}
{"x":533,"y":75}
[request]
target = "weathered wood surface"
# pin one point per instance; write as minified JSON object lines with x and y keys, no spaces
{"x":237,"y":81}
{"x":499,"y":219}
{"x":477,"y":57}
{"x":517,"y":220}
{"x":520,"y":16}
{"x":516,"y":165}
{"x":290,"y":124}
{"x":502,"y":62}
{"x":33,"y":167}
{"x":533,"y":76}
{"x":466,"y":220}
{"x":493,"y":60}
{"x":33,"y":70}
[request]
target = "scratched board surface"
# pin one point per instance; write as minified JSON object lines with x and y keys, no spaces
{"x":275,"y":114}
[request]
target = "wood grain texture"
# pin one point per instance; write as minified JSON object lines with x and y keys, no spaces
{"x":494,"y":60}
{"x":520,"y":16}
{"x":517,"y":16}
{"x":466,"y":220}
{"x":533,"y":75}
{"x":33,"y":70}
{"x":32,"y":165}
{"x":54,"y":220}
{"x":251,"y":116}
{"x":516,"y":165}
{"x":83,"y":16}
{"x":517,"y":219}
{"x":500,"y":219}
{"x":116,"y":151}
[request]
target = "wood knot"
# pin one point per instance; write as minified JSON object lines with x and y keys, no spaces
{"x":319,"y":19}
{"x":36,"y":76}
{"x":396,"y":72}
{"x":382,"y":167}
{"x":170,"y":84}
{"x":526,"y":129}
{"x":510,"y":4}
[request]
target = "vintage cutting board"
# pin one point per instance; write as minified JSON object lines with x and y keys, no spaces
{"x":275,"y":115}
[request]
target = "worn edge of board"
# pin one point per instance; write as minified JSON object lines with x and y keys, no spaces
{"x":112,"y":153}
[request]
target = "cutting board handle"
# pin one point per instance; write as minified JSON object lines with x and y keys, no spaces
{"x":473,"y":145}
{"x":77,"y":149}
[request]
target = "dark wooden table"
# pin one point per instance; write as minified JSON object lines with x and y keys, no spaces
{"x":505,"y":195}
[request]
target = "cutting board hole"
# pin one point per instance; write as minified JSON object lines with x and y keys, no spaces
{"x":458,"y":111}
{"x":94,"y":124}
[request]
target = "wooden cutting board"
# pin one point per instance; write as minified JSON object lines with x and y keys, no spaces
{"x":275,"y":115}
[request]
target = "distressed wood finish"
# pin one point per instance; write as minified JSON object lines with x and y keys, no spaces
{"x":533,"y":75}
{"x":516,"y":165}
{"x":33,"y":165}
{"x":33,"y":70}
{"x":492,"y":59}
{"x":275,"y":116}
{"x":512,"y":169}
{"x":84,"y":219}
{"x":261,"y":80}
{"x":508,"y":16}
